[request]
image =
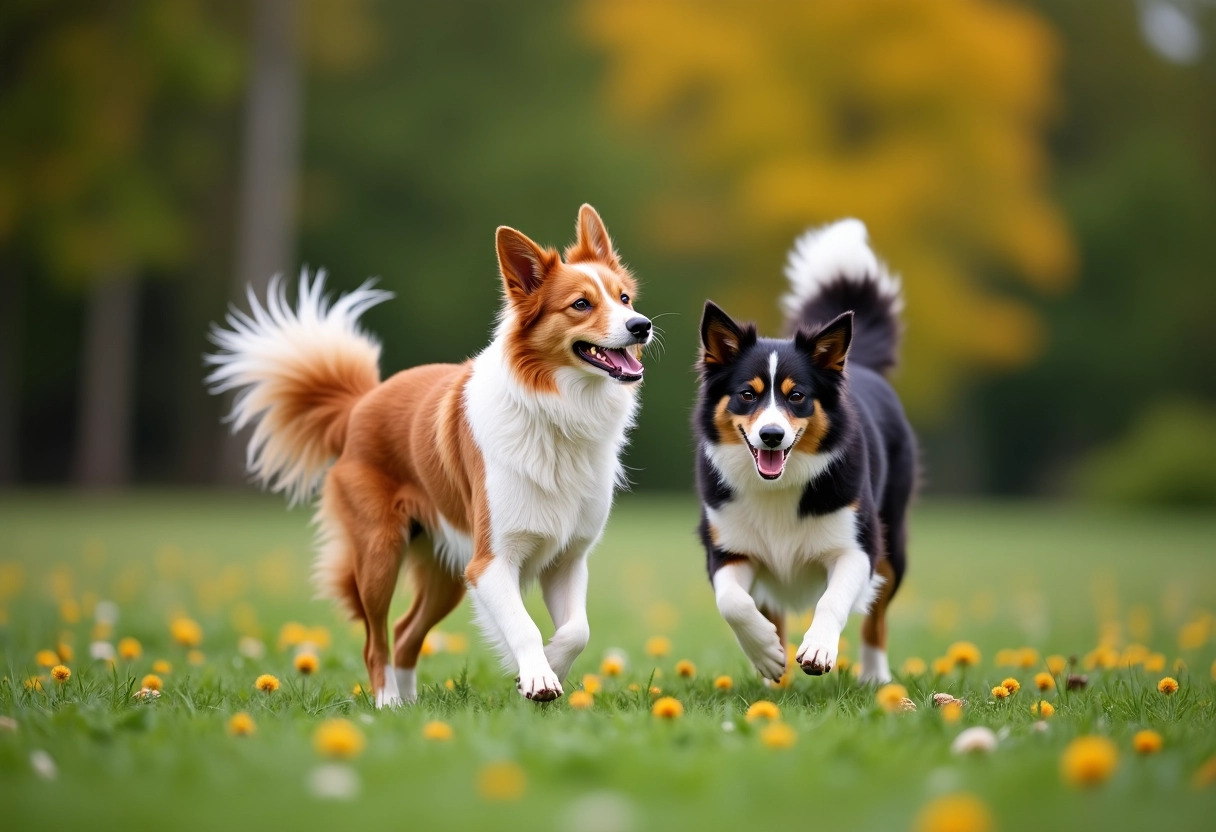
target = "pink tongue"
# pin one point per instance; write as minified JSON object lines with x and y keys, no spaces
{"x":770,"y":463}
{"x":624,"y":361}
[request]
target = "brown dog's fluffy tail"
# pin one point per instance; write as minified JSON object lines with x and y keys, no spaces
{"x":297,"y":373}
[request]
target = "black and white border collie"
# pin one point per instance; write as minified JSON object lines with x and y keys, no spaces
{"x":805,"y":461}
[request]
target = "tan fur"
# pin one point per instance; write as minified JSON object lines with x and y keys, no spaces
{"x":874,"y":626}
{"x":757,"y":384}
{"x":811,"y":430}
{"x":786,"y":386}
{"x":727,"y":424}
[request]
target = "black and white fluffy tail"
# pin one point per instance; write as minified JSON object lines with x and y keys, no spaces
{"x":831,"y":270}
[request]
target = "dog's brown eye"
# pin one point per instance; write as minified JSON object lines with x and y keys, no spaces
{"x":796,"y":397}
{"x":747,"y":396}
{"x":582,"y":305}
{"x":624,"y":298}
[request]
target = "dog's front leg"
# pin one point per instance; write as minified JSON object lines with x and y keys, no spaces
{"x":756,"y":634}
{"x":564,"y":586}
{"x":494,"y":585}
{"x":848,"y":577}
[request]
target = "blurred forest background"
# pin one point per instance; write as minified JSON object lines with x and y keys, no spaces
{"x":1043,"y":174}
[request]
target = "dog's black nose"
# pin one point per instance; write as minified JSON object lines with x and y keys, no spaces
{"x":771,"y":435}
{"x":640,"y":327}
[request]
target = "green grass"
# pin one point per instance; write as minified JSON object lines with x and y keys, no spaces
{"x":1001,"y":576}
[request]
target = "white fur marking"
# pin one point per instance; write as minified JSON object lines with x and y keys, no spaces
{"x":874,"y":666}
{"x":831,"y":252}
{"x":407,"y":683}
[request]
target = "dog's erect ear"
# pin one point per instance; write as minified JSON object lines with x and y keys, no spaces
{"x":523,"y":264}
{"x":593,"y":242}
{"x":721,"y":338}
{"x":830,"y":347}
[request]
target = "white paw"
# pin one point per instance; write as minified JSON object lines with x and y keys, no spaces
{"x":540,"y":686}
{"x":407,"y":684}
{"x":563,"y":649}
{"x":874,"y":667}
{"x":817,"y":655}
{"x":763,"y":648}
{"x":386,"y":699}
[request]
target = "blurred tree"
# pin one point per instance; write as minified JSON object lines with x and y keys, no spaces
{"x":98,"y":167}
{"x":1138,"y":179}
{"x":925,"y":119}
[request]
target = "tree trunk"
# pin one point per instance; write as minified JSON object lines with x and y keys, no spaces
{"x":266,"y":214}
{"x":103,"y":428}
{"x":11,"y":333}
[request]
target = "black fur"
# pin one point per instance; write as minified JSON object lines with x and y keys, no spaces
{"x":876,"y":464}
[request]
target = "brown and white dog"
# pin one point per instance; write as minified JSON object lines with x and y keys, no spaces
{"x":479,"y":477}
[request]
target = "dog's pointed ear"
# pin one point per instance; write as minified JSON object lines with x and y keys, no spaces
{"x":829,"y":349}
{"x":523,"y":264}
{"x":721,"y":338}
{"x":593,"y":242}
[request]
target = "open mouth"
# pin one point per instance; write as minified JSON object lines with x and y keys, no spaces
{"x":617,"y":363}
{"x":769,"y":464}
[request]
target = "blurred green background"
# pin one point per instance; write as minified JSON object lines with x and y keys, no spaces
{"x":1043,"y":174}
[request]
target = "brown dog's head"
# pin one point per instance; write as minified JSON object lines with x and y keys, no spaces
{"x":574,"y":311}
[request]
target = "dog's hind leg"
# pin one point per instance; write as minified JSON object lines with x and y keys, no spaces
{"x":874,"y":665}
{"x":436,"y":593}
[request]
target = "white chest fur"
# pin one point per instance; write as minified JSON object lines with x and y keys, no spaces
{"x":762,"y":522}
{"x":551,"y":460}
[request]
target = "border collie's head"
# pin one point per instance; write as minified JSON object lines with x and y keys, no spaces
{"x":575,"y":311}
{"x":769,"y":397}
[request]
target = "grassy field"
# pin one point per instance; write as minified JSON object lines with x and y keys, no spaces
{"x":1004,"y":577}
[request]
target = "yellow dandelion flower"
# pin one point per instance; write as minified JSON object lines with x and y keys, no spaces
{"x":1012,"y":685}
{"x":658,"y":646}
{"x":129,"y":649}
{"x":196,"y":658}
{"x":1043,"y":709}
{"x":964,"y":653}
{"x":1000,"y":692}
{"x":456,"y":643}
{"x":69,"y":611}
{"x":778,"y":735}
{"x":162,"y":667}
{"x":437,"y":731}
{"x":241,"y":725}
{"x":338,"y":738}
{"x":723,"y":683}
{"x":1006,"y":657}
{"x":1214,"y":671}
{"x":655,"y":690}
{"x":1044,"y":681}
{"x":1134,"y":654}
{"x":1168,"y":685}
{"x":952,"y":712}
{"x":152,"y":682}
{"x":501,"y":781}
{"x":668,"y":707}
{"x":1056,"y":664}
{"x":65,"y":652}
{"x":102,"y":630}
{"x":1088,"y":761}
{"x":430,"y":644}
{"x":318,"y":637}
{"x":914,"y":666}
{"x":954,"y":813}
{"x":891,"y":697}
{"x":612,"y":666}
{"x":592,"y":683}
{"x":46,"y":658}
{"x":943,"y":665}
{"x":292,"y":634}
{"x":786,"y":680}
{"x":581,"y":700}
{"x":763,"y":709}
{"x":843,"y":663}
{"x":634,"y":687}
{"x":1154,"y":662}
{"x":186,"y":631}
{"x":1194,"y":634}
{"x":1147,"y":742}
{"x":267,"y":683}
{"x":1205,"y":775}
{"x":686,"y":669}
{"x":307,"y":663}
{"x":33,"y":683}
{"x":449,"y":684}
{"x":1028,"y":657}
{"x":357,"y":690}
{"x":60,"y":673}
